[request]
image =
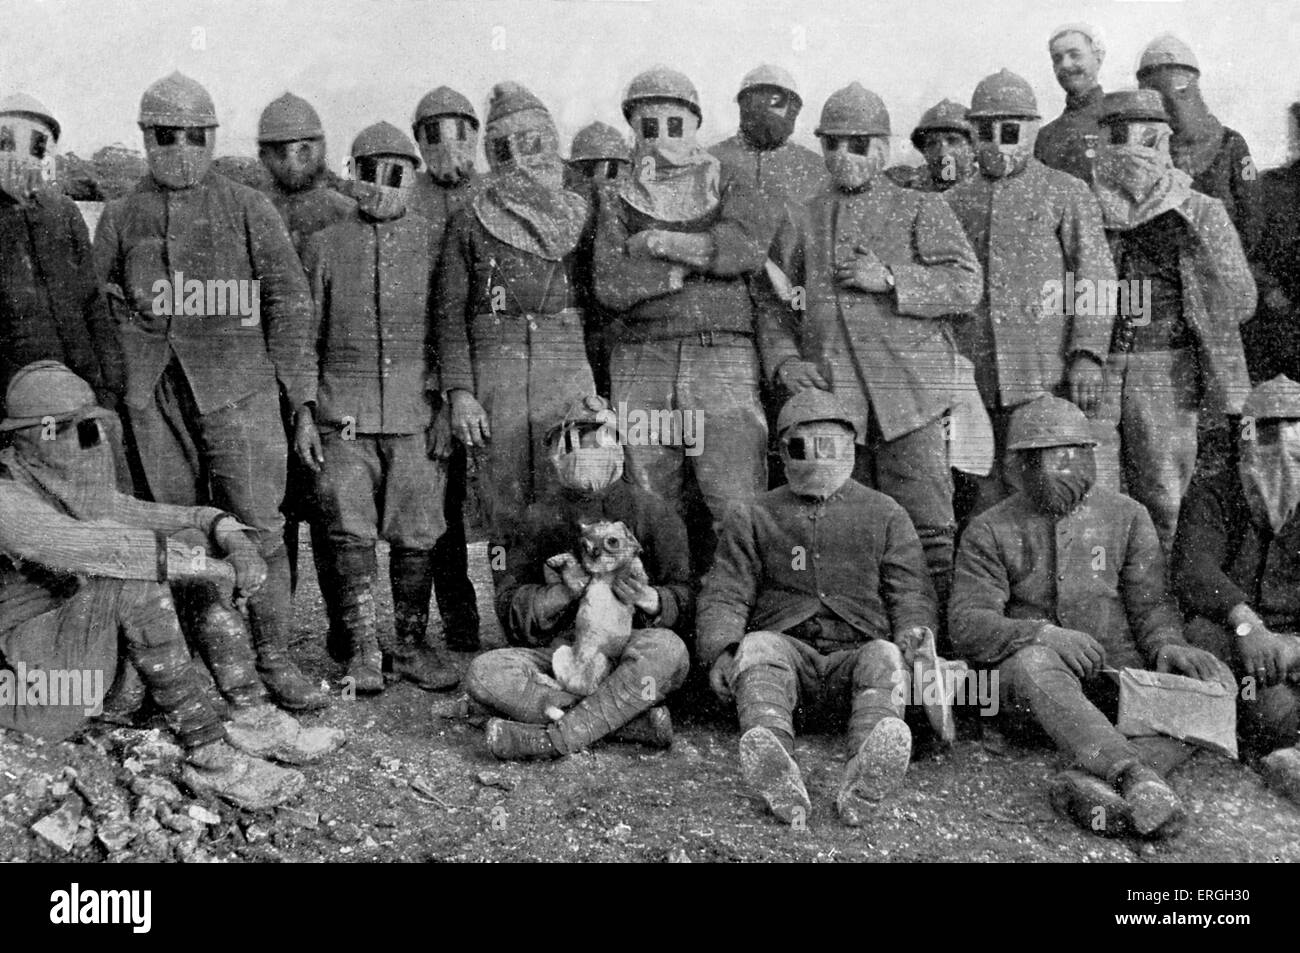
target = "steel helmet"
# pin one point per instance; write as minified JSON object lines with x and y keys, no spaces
{"x":945,"y":116}
{"x":599,"y":141}
{"x":660,"y":82}
{"x":44,"y":389}
{"x":1133,"y":105}
{"x":383,"y":139}
{"x":1048,"y":422}
{"x":177,"y":100}
{"x":853,"y":111}
{"x":590,"y":410}
{"x":769,"y":75}
{"x":443,"y":101}
{"x":1167,"y":50}
{"x":810,"y":405}
{"x":1003,"y":94}
{"x":287,"y":119}
{"x":20,"y":104}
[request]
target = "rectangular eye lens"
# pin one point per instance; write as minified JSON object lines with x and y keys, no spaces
{"x":611,"y":169}
{"x":88,"y":434}
{"x":460,"y":129}
{"x":39,"y":141}
{"x":501,"y":149}
{"x":433,"y":132}
{"x":859,"y":145}
{"x":674,"y":127}
{"x":6,"y":139}
{"x":649,"y":128}
{"x":797,"y":447}
{"x":164,"y":135}
{"x":196,"y":137}
{"x":777,"y":99}
{"x":984,"y":129}
{"x":365,"y":166}
{"x":531,"y":144}
{"x":1148,"y":137}
{"x":1010,"y":134}
{"x":395,"y":177}
{"x":1119,"y":135}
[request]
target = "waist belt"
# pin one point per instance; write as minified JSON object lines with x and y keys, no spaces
{"x":567,"y":317}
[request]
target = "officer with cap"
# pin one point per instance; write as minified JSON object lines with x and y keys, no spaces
{"x":203,"y":390}
{"x":1034,"y":229}
{"x":883,"y":270}
{"x":376,"y":436}
{"x":830,"y":630}
{"x":1070,"y":141}
{"x":1033,"y":598}
{"x":539,"y":594}
{"x":945,"y":137}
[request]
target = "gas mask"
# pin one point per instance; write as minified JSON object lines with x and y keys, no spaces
{"x":27,"y":153}
{"x":296,"y":165}
{"x":1269,"y":468}
{"x":949,"y":156}
{"x":673,"y":178}
{"x":1180,"y":89}
{"x":72,"y":461}
{"x":853,"y":161}
{"x":587,"y":459}
{"x":1134,"y":178}
{"x":179,"y":156}
{"x":1004,"y":146}
{"x":448,"y":144}
{"x":818,"y":458}
{"x":524,"y":145}
{"x":664,"y":130}
{"x":1058,"y":478}
{"x":600,"y":170}
{"x":767,"y":116}
{"x":381,"y":185}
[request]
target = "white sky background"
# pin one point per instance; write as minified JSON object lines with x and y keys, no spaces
{"x":359,"y":61}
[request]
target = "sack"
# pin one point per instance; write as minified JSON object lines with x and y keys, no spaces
{"x":1161,"y":703}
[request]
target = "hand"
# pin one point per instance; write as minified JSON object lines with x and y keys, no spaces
{"x":633,"y":589}
{"x":644,"y":244}
{"x":1263,"y":655}
{"x":796,"y":375}
{"x":306,"y":439}
{"x":439,"y":439}
{"x":865,"y":272}
{"x":916,"y":643}
{"x":1277,"y":301}
{"x":568,"y":572}
{"x":469,"y":421}
{"x":1079,"y":650}
{"x":1192,"y":662}
{"x":1086,"y":381}
{"x":722,"y":674}
{"x":243,"y":555}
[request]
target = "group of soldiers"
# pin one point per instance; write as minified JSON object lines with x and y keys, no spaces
{"x":919,"y":394}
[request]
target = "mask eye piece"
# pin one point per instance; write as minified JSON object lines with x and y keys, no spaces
{"x":859,"y":145}
{"x":797,"y":448}
{"x":649,"y":128}
{"x":674,"y":127}
{"x":611,"y":169}
{"x":395,"y":177}
{"x":88,"y":434}
{"x":501,"y":149}
{"x":1119,"y":135}
{"x":39,"y":142}
{"x":984,"y":129}
{"x":196,"y":137}
{"x":432,"y":132}
{"x":1009,"y":135}
{"x":165,"y":135}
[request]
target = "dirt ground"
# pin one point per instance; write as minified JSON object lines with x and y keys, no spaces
{"x":415,"y":783}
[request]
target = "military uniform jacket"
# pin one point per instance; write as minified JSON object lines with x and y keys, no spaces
{"x":893,"y":351}
{"x":1098,"y":569}
{"x":305,"y":213}
{"x":785,"y":177}
{"x":1062,"y":143}
{"x":1029,"y":229}
{"x":217,"y":231}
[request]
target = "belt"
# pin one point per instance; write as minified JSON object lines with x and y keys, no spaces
{"x":564,"y":316}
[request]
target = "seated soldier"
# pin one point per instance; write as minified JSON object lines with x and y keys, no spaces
{"x":84,"y":568}
{"x":538,"y":604}
{"x":814,"y":588}
{"x":1237,"y":574}
{"x":1055,"y":586}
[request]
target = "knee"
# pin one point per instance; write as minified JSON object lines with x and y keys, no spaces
{"x":1028,"y":665}
{"x":877,"y":664}
{"x":1274,"y":718}
{"x":488,"y":676}
{"x":664,"y":650}
{"x":761,"y":648}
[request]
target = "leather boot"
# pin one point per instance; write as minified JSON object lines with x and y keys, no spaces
{"x":265,"y":731}
{"x":875,"y":771}
{"x":771,"y":773}
{"x":331,"y":588}
{"x":223,"y":641}
{"x":1155,"y":809}
{"x":516,"y":741}
{"x":411,"y":573}
{"x":245,"y":781}
{"x":356,"y":570}
{"x":269,"y":614}
{"x":1090,"y":802}
{"x":125,"y":700}
{"x":616,"y":701}
{"x":654,"y":729}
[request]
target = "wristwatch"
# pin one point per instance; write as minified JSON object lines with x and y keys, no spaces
{"x":1243,"y":629}
{"x":889,"y":279}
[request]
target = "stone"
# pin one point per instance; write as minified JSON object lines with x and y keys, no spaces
{"x":60,"y":827}
{"x":160,"y":789}
{"x":202,"y":815}
{"x":298,"y":817}
{"x":115,"y":834}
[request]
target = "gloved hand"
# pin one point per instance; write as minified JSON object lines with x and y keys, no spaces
{"x":242,"y":553}
{"x":1079,"y":650}
{"x":306,"y":439}
{"x":1194,"y":663}
{"x":796,"y":375}
{"x":865,"y":272}
{"x":1086,"y":381}
{"x":632,"y":587}
{"x":722,"y":673}
{"x":469,"y":421}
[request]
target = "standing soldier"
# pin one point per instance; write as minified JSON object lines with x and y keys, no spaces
{"x":1181,"y":361}
{"x":370,"y":436}
{"x":1069,"y":142}
{"x":510,"y":333}
{"x":1034,"y":229}
{"x":945,"y":137}
{"x":1273,"y":341}
{"x":674,"y":247}
{"x":203,"y":391}
{"x":882,"y":268}
{"x":291,"y":145}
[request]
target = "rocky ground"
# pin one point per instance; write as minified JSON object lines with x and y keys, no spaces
{"x":415,"y":783}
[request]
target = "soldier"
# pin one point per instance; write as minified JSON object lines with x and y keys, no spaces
{"x":882,"y":269}
{"x":84,"y":572}
{"x":1236,"y":575}
{"x":945,"y":138}
{"x":1176,"y":362}
{"x":674,"y":248}
{"x":370,"y":436}
{"x":1035,"y":230}
{"x":510,"y":333}
{"x":203,"y":390}
{"x":539,"y":598}
{"x":828,"y":635}
{"x":445,"y":127}
{"x":1032,"y":598}
{"x":598,"y":155}
{"x":1069,"y":142}
{"x":1272,"y":339}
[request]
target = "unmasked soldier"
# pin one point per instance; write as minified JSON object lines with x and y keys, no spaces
{"x":50,"y":301}
{"x":291,"y":146}
{"x":945,"y":138}
{"x":510,"y":332}
{"x":1179,"y":362}
{"x":598,"y":159}
{"x":1216,"y":157}
{"x":882,"y":268}
{"x":84,"y":574}
{"x":370,"y":435}
{"x":542,"y":589}
{"x":1034,"y":229}
{"x":674,"y":248}
{"x":445,"y":127}
{"x":1032,"y":598}
{"x":826,"y":632}
{"x":1070,"y":141}
{"x":1236,"y":572}
{"x":1272,"y":339}
{"x":203,"y":390}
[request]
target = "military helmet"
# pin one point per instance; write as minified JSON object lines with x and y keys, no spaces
{"x":944,"y":116}
{"x":811,"y":405}
{"x":661,"y":82}
{"x":1004,"y":94}
{"x":1048,"y":422}
{"x":177,"y":100}
{"x":589,"y":410}
{"x":443,"y":101}
{"x":288,"y":119}
{"x":769,"y":75}
{"x":383,"y":138}
{"x":1133,"y":105}
{"x":599,"y":141}
{"x":1166,"y":50}
{"x":44,"y":389}
{"x":20,"y":104}
{"x":853,"y":111}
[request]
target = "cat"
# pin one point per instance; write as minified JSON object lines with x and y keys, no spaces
{"x":603,"y":626}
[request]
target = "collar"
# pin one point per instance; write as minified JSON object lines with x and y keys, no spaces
{"x":1075,"y":102}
